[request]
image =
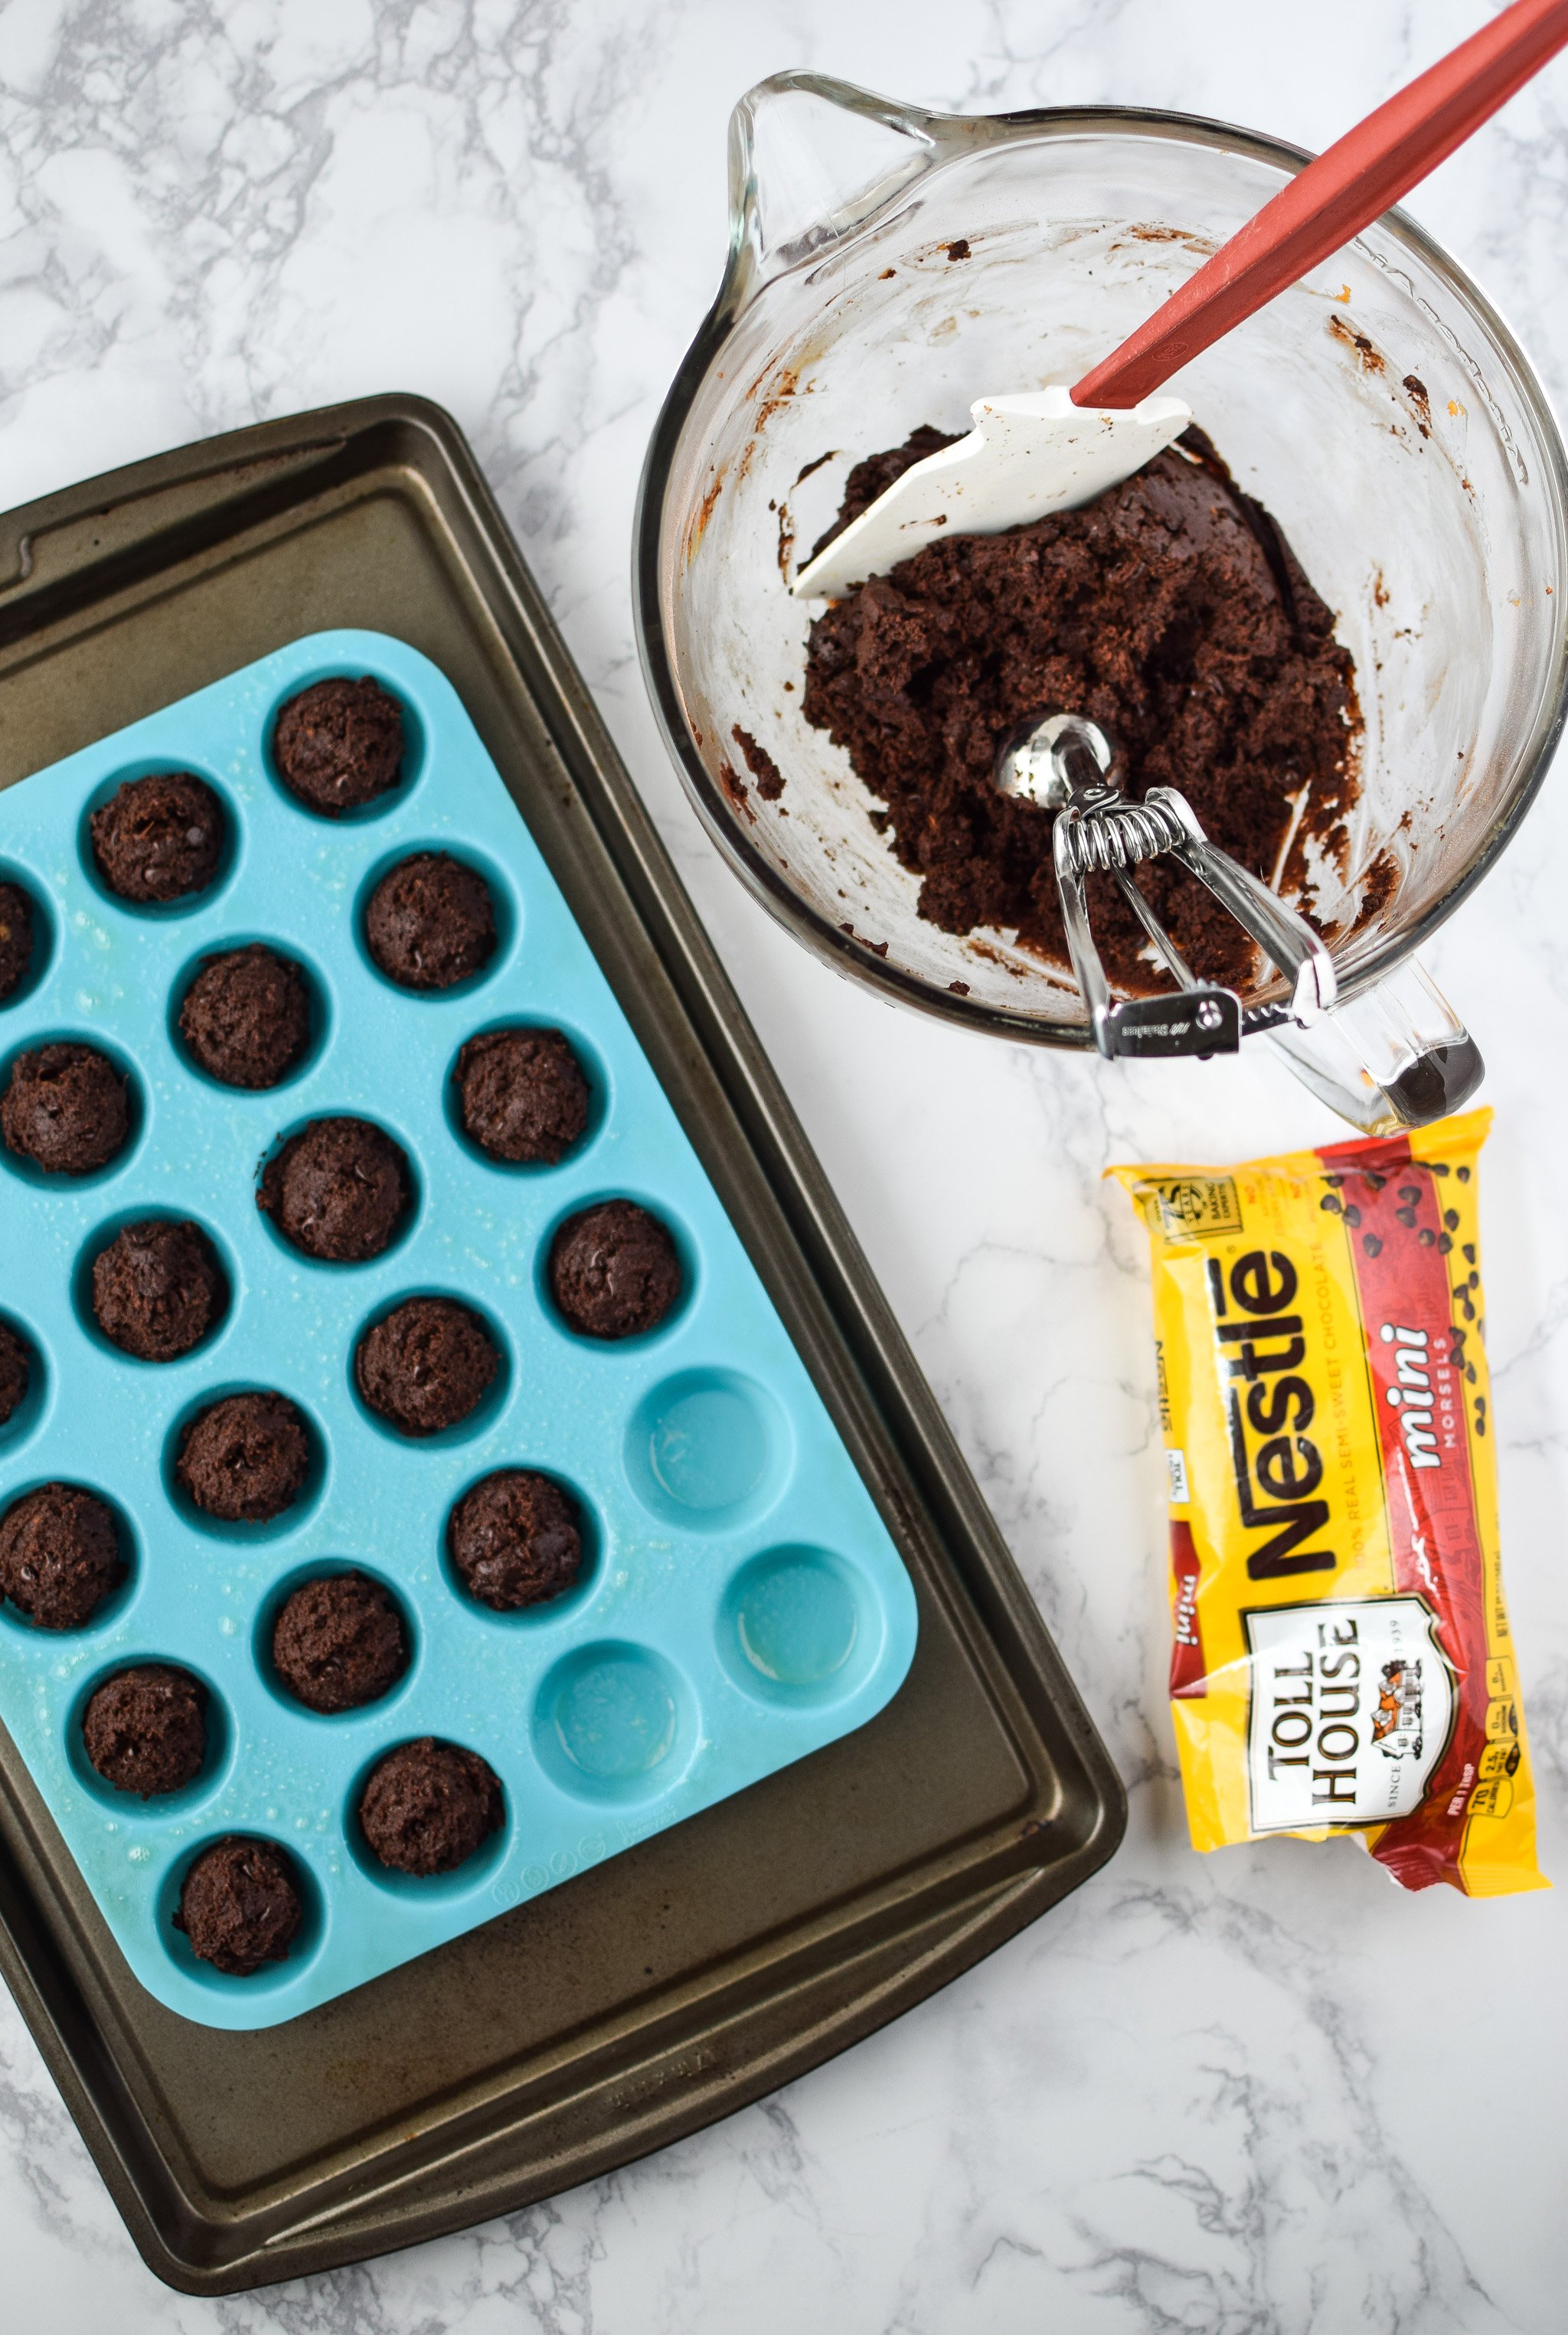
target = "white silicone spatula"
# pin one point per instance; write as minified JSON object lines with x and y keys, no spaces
{"x":1053,"y":449}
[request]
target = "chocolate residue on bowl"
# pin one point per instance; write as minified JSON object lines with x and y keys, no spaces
{"x":1173,"y":612}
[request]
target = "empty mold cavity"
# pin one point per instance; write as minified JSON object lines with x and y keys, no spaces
{"x":614,"y":1722}
{"x":685,"y":1250}
{"x":29,"y":1412}
{"x":414,"y":755}
{"x":42,"y":1179}
{"x":246,"y":1535}
{"x":599,"y":1098}
{"x":551,"y":1609}
{"x":707,"y":1450}
{"x":190,"y":903}
{"x":797,"y":1626}
{"x":503,"y":907}
{"x":118,"y":1600}
{"x":272,"y":1978}
{"x":46,"y":935}
{"x":427,"y":1888}
{"x":406,"y":1223}
{"x":93,"y":1248}
{"x":163,"y":1805}
{"x":321,"y":1012}
{"x":326,"y":1569}
{"x":479,"y":1419}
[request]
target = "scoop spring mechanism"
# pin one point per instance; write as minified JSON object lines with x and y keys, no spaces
{"x":1065,"y":764}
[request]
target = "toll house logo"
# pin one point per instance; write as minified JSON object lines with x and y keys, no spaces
{"x":1351,"y":1703}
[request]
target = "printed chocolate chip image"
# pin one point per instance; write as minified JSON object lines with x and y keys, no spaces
{"x":65,"y":1107}
{"x":16,"y":1373}
{"x":158,"y":1289}
{"x":521,"y":1096}
{"x":427,"y":1807}
{"x":339,"y":744}
{"x":515,"y":1539}
{"x":338,"y":1190}
{"x":245,"y":1459}
{"x":145,"y":1729}
{"x":430,"y":921}
{"x":245,"y":1017}
{"x":426,"y":1365}
{"x":159,"y":838}
{"x":60,"y":1556}
{"x":16,"y":938}
{"x":615,"y":1272}
{"x":339,"y":1643}
{"x":240,"y":1906}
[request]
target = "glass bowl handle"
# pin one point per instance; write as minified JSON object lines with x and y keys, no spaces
{"x":813,"y":159}
{"x":1397,"y":1055}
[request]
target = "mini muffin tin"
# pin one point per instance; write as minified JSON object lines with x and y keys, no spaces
{"x":742,"y":1602}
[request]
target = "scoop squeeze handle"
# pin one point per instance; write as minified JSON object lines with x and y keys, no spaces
{"x":1333,"y":197}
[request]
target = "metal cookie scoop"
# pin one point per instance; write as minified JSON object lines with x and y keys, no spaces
{"x":1065,"y":764}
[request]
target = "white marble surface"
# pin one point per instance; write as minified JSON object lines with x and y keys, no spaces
{"x":1261,"y":2094}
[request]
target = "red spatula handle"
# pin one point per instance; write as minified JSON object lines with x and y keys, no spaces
{"x":1334,"y":197}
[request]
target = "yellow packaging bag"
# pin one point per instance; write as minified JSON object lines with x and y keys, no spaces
{"x":1342,"y":1661}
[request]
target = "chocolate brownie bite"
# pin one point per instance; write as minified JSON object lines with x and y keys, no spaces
{"x":339,"y":1643}
{"x":430,"y":921}
{"x":615,"y":1271}
{"x":426,"y":1365}
{"x":338,"y":1190}
{"x":339,"y":744}
{"x":240,"y":1906}
{"x":60,"y":1556}
{"x":522,"y":1095}
{"x":145,"y":1729}
{"x":66,"y":1108}
{"x":158,"y":1289}
{"x":245,"y":1017}
{"x":16,"y":1373}
{"x":159,"y":838}
{"x":515,"y":1539}
{"x":16,"y":938}
{"x":427,"y":1807}
{"x":245,"y":1459}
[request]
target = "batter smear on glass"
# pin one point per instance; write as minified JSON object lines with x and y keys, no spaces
{"x":1172,"y":611}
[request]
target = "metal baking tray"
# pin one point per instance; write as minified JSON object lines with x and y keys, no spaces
{"x":700,"y":1969}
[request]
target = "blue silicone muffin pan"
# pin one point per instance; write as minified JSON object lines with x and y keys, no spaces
{"x":742,"y":1603}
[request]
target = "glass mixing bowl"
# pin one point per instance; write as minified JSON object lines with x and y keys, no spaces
{"x":889,"y":266}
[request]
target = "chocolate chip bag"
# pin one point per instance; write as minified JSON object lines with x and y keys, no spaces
{"x":1343,"y":1659}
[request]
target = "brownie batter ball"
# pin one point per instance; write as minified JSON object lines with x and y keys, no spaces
{"x":240,"y":1906}
{"x":158,"y":839}
{"x":521,"y":1096}
{"x":614,"y":1270}
{"x":245,"y":1018}
{"x":338,"y":1190}
{"x":66,"y":1108}
{"x":426,"y":1365}
{"x":16,"y":1373}
{"x":515,"y":1540}
{"x":430,"y":921}
{"x":339,"y":1643}
{"x":16,"y":938}
{"x":339,"y":744}
{"x":158,"y":1289}
{"x":145,"y":1729}
{"x":428,"y":1806}
{"x":245,"y":1459}
{"x":59,"y":1556}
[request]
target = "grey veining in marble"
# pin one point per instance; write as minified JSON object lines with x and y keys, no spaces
{"x":1261,"y":2094}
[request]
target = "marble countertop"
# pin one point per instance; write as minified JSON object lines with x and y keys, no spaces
{"x":1258,"y":2094}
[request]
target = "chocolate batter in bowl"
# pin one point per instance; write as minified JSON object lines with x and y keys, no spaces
{"x":1379,"y":411}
